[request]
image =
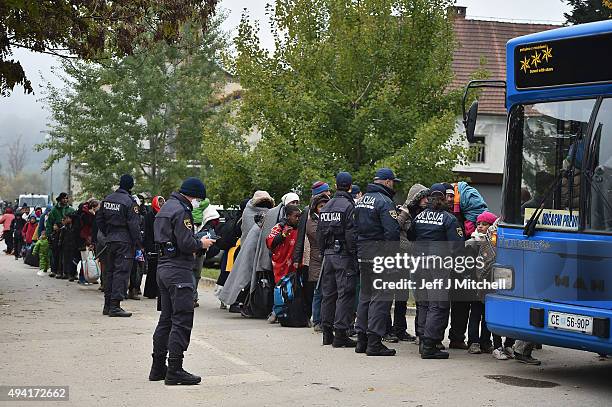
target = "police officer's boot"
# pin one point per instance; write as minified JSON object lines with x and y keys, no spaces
{"x":376,"y":348}
{"x":342,"y":340}
{"x":328,"y":336}
{"x":421,"y":346}
{"x":116,"y":310}
{"x":106,"y":309}
{"x":176,"y":375}
{"x":158,"y":368}
{"x":431,"y":351}
{"x":362,"y":343}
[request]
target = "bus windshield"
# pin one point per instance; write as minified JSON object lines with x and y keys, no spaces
{"x":544,"y":139}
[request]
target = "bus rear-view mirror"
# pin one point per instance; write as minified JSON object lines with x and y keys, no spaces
{"x":469,"y":121}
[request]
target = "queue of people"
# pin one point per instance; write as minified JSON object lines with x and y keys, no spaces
{"x":321,"y":253}
{"x":288,"y":263}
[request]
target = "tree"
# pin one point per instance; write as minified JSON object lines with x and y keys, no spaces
{"x":16,"y":158}
{"x":351,"y":85}
{"x":22,"y":183}
{"x":143,"y":114}
{"x":90,"y":29}
{"x":586,"y":11}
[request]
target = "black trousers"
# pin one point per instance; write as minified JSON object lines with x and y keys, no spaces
{"x":68,"y":266}
{"x":432,"y":306}
{"x":477,"y":326}
{"x":459,"y":316}
{"x":338,"y":281}
{"x":17,"y":244}
{"x":151,"y":290}
{"x":8,"y":240}
{"x":173,"y":331}
{"x":136,"y":275}
{"x":374,"y":306}
{"x":119,"y":259}
{"x":309,"y":289}
{"x":398,"y":325}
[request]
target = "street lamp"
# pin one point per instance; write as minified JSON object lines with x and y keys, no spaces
{"x":48,"y":138}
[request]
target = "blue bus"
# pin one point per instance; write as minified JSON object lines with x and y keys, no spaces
{"x":554,"y":239}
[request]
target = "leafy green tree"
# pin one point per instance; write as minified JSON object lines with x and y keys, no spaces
{"x":90,"y":29}
{"x":351,"y":85}
{"x":143,"y":114}
{"x":586,"y":11}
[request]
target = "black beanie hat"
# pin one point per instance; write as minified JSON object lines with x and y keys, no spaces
{"x":193,"y":187}
{"x":126,"y":182}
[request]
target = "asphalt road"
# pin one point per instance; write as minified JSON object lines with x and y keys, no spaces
{"x":53,"y":333}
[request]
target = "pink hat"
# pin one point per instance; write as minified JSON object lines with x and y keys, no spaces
{"x":487,"y":217}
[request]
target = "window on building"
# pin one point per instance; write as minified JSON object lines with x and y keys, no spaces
{"x":477,"y":150}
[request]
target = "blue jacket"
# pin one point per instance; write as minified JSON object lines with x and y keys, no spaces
{"x":375,"y":215}
{"x":471,"y":202}
{"x":337,"y":222}
{"x":436,"y":226}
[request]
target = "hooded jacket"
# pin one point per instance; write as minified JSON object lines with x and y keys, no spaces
{"x":55,"y":217}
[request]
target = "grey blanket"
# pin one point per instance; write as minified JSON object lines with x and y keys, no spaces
{"x":263,"y":257}
{"x":242,"y":270}
{"x":248,"y":218}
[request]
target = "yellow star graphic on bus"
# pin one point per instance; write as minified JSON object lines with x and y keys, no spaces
{"x":535,"y":59}
{"x":547,"y":54}
{"x":525,"y":64}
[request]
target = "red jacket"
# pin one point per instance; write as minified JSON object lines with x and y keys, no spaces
{"x":28,"y":231}
{"x":281,"y":241}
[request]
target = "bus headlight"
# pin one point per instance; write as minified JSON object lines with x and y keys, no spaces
{"x":504,"y":276}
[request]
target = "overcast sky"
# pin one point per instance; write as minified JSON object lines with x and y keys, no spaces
{"x":24,"y":115}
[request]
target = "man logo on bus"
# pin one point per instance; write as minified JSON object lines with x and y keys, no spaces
{"x":525,"y":64}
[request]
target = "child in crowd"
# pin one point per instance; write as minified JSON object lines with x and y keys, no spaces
{"x":29,"y":229}
{"x":41,"y":249}
{"x":55,"y":257}
{"x":281,"y":242}
{"x":69,"y":246}
{"x":479,"y":340}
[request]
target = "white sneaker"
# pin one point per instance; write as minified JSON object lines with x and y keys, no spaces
{"x":474,"y":349}
{"x":272,"y":318}
{"x":509,"y":352}
{"x":218,"y":289}
{"x":40,"y":273}
{"x":499,"y":354}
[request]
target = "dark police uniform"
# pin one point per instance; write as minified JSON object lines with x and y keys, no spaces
{"x":375,"y":216}
{"x":434,"y":225}
{"x":337,"y":235}
{"x":173,"y":230}
{"x":119,"y":219}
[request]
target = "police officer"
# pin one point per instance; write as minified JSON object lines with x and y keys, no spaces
{"x":174,"y":233}
{"x":375,"y":216}
{"x":337,"y":235}
{"x":435,"y":224}
{"x":119,"y":220}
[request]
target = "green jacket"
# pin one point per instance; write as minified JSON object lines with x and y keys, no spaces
{"x":55,"y":217}
{"x":197,"y":212}
{"x":41,"y":248}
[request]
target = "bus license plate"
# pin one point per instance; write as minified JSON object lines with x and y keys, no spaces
{"x":570,"y":322}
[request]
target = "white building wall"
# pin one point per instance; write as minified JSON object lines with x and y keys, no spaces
{"x":493,"y":129}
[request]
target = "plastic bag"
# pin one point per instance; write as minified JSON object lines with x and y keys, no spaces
{"x":90,"y":268}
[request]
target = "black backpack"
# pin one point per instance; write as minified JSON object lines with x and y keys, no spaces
{"x":229,"y":233}
{"x":261,"y":299}
{"x":289,"y":293}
